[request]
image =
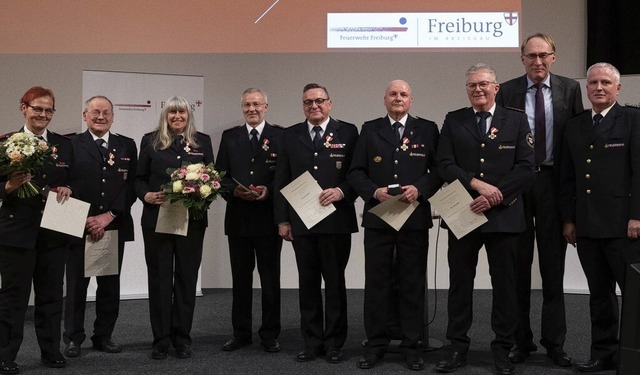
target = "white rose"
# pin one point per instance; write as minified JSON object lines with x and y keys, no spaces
{"x":205,"y":191}
{"x":177,"y":186}
{"x":192,"y":176}
{"x":195,"y":167}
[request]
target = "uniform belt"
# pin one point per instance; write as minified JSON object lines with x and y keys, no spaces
{"x":542,"y":167}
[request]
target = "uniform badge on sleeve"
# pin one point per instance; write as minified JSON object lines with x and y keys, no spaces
{"x":530,"y":139}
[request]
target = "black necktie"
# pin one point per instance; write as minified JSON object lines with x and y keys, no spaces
{"x":255,"y":145}
{"x":540,"y":140}
{"x":482,"y":123}
{"x":596,"y":119}
{"x":41,"y":138}
{"x":102,"y":147}
{"x":317,"y":140}
{"x":396,"y":130}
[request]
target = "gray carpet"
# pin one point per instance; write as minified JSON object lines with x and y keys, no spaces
{"x":212,"y":327}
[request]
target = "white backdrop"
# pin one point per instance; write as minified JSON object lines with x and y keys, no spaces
{"x":137,"y":102}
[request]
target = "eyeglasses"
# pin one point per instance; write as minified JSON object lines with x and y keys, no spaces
{"x":542,"y":56}
{"x":96,"y":114}
{"x":46,"y":111}
{"x":319,"y":102}
{"x":474,"y":85}
{"x":254,"y":105}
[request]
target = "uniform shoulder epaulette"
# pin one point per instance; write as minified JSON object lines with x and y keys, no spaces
{"x":205,"y":134}
{"x":149,"y":133}
{"x":423,"y":119}
{"x":123,"y":136}
{"x":7,"y":135}
{"x":460,"y":109}
{"x":374,"y":120}
{"x":277,"y":126}
{"x":344,"y":122}
{"x":514,"y":109}
{"x":232,"y":128}
{"x":634,"y":106}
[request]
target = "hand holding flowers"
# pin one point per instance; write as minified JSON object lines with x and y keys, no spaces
{"x":195,"y":185}
{"x":21,"y":155}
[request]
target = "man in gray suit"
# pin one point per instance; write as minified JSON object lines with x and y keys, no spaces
{"x":549,"y":101}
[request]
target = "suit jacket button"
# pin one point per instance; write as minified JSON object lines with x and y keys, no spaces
{"x":11,"y":216}
{"x":588,"y":191}
{"x":251,"y":173}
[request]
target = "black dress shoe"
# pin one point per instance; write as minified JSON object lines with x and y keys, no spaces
{"x":593,"y":365}
{"x":9,"y":368}
{"x":271,"y":346}
{"x":504,"y":366}
{"x":183,"y":351}
{"x":518,"y":354}
{"x":53,"y":361}
{"x":160,"y":352}
{"x":235,"y":344}
{"x":307,"y":355}
{"x":414,"y":361}
{"x":334,"y":355}
{"x":368,"y":360}
{"x":72,"y":350}
{"x":107,"y":345}
{"x":559,"y":357}
{"x":452,"y":362}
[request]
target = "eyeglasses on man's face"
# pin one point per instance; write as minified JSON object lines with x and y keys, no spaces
{"x":319,"y":102}
{"x":255,"y":105}
{"x":471,"y":86}
{"x":541,"y":56}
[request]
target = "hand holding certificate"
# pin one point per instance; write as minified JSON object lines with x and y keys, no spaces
{"x":67,"y":217}
{"x":394,"y":212}
{"x":303,"y":194}
{"x":452,"y":203}
{"x":173,"y":218}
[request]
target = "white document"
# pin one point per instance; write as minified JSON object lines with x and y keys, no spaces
{"x":452,"y":203}
{"x":68,"y":217}
{"x":303,"y":194}
{"x":101,"y":258}
{"x":173,"y":218}
{"x":394,"y":212}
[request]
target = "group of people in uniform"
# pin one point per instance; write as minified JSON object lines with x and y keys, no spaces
{"x":540,"y":167}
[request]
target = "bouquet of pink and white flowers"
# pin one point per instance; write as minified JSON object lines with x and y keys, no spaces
{"x":195,"y":185}
{"x":24,"y":152}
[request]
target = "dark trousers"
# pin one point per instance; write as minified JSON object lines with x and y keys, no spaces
{"x":172,"y":264}
{"x":44,"y":266}
{"x":321,"y":256}
{"x":107,"y":298}
{"x":544,"y":223}
{"x":410,"y":248}
{"x":244,"y":253}
{"x":604,"y":262}
{"x":463,"y":259}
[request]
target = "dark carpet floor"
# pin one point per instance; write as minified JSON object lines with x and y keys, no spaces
{"x":212,"y":328}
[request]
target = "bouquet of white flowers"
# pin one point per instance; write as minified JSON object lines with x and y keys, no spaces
{"x":195,"y":185}
{"x":25,"y":152}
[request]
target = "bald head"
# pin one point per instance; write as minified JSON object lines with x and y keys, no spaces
{"x":398,"y":99}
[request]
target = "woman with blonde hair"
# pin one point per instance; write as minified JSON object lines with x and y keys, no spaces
{"x":172,"y":260}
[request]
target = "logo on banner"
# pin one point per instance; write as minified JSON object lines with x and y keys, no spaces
{"x":511,"y":18}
